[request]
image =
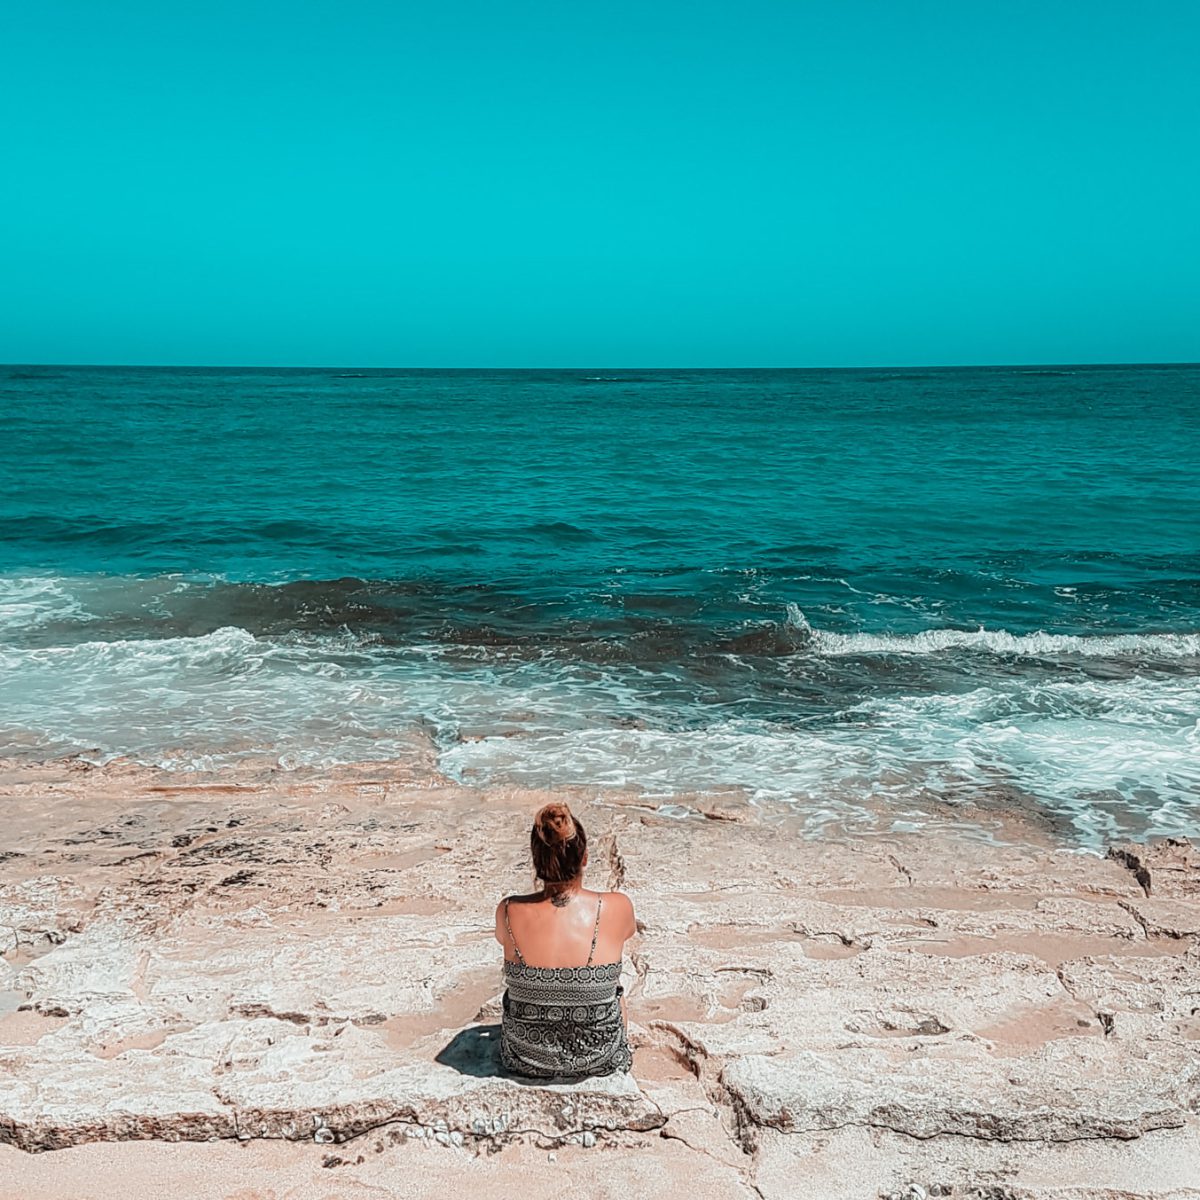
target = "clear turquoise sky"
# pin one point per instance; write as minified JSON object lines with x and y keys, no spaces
{"x":651,"y":183}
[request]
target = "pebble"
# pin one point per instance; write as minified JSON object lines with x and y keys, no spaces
{"x":324,"y":1135}
{"x":589,"y":1138}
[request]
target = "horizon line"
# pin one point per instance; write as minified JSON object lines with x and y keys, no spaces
{"x":963,"y":366}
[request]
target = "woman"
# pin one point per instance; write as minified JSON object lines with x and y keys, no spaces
{"x":563,"y":1013}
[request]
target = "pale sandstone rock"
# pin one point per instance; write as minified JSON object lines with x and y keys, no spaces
{"x":1170,"y":867}
{"x":307,"y":958}
{"x":1059,"y":1093}
{"x":853,"y":1163}
{"x":1167,"y":918}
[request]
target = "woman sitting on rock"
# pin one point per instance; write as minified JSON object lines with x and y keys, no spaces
{"x":563,"y":1013}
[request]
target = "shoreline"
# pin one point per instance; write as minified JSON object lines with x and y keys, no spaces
{"x":301,"y":967}
{"x":1003,"y":814}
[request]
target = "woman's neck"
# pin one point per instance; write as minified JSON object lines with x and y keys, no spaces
{"x":561,"y":894}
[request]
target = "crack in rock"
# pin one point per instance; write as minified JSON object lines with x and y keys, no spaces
{"x":1131,"y":859}
{"x":1137,"y":916}
{"x":616,"y":864}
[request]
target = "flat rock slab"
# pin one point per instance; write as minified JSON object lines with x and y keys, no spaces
{"x":266,"y":1078}
{"x":854,"y":1163}
{"x":276,"y":958}
{"x":1063,"y":1093}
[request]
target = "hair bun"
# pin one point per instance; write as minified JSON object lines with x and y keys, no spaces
{"x":554,"y":823}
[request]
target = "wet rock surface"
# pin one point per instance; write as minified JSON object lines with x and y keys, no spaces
{"x":307,"y":959}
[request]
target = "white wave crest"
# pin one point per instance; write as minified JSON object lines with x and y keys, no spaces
{"x":1000,"y":641}
{"x":27,"y":602}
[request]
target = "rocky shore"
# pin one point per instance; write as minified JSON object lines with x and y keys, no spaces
{"x":259,"y":985}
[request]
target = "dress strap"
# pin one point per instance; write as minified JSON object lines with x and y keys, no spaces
{"x":596,"y":931}
{"x":516,"y":948}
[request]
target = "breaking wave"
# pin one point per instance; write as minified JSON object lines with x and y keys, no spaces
{"x":1000,"y":641}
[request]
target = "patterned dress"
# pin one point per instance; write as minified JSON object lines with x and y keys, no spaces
{"x":562,"y":1021}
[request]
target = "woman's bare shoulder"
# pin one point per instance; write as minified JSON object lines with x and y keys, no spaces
{"x":502,"y":912}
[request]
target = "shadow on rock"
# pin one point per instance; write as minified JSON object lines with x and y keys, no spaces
{"x":476,"y":1051}
{"x":473,"y":1051}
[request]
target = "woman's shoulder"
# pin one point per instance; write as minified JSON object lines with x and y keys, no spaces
{"x":618,"y":906}
{"x":618,"y":899}
{"x":502,"y":921}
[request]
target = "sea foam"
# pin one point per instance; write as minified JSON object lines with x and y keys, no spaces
{"x":1000,"y":641}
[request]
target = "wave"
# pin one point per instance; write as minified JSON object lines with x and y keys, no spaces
{"x":562,"y":531}
{"x":1000,"y":641}
{"x":796,"y":636}
{"x":226,"y":646}
{"x":651,"y":620}
{"x":1106,"y":753}
{"x":1100,"y":776}
{"x":28,"y":602}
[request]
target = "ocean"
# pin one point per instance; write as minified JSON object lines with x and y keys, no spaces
{"x":846,"y":592}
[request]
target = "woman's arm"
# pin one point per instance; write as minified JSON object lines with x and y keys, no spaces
{"x":623,"y":905}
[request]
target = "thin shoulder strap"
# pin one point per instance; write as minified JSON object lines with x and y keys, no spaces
{"x":596,"y":931}
{"x":516,"y":948}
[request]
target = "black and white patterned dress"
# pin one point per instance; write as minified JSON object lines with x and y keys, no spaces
{"x":562,"y":1021}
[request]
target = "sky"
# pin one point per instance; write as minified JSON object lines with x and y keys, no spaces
{"x":662,"y":183}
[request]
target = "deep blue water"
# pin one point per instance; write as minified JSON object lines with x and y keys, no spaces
{"x":821,"y":587}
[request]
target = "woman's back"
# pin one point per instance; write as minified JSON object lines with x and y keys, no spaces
{"x":562,"y":1013}
{"x":568,"y":929}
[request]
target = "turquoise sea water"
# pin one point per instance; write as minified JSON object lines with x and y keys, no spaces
{"x":824,"y":588}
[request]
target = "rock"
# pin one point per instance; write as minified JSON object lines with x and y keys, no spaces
{"x":1167,"y":868}
{"x":310,"y":959}
{"x":1060,"y":1093}
{"x":277,"y":1072}
{"x":1166,"y":918}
